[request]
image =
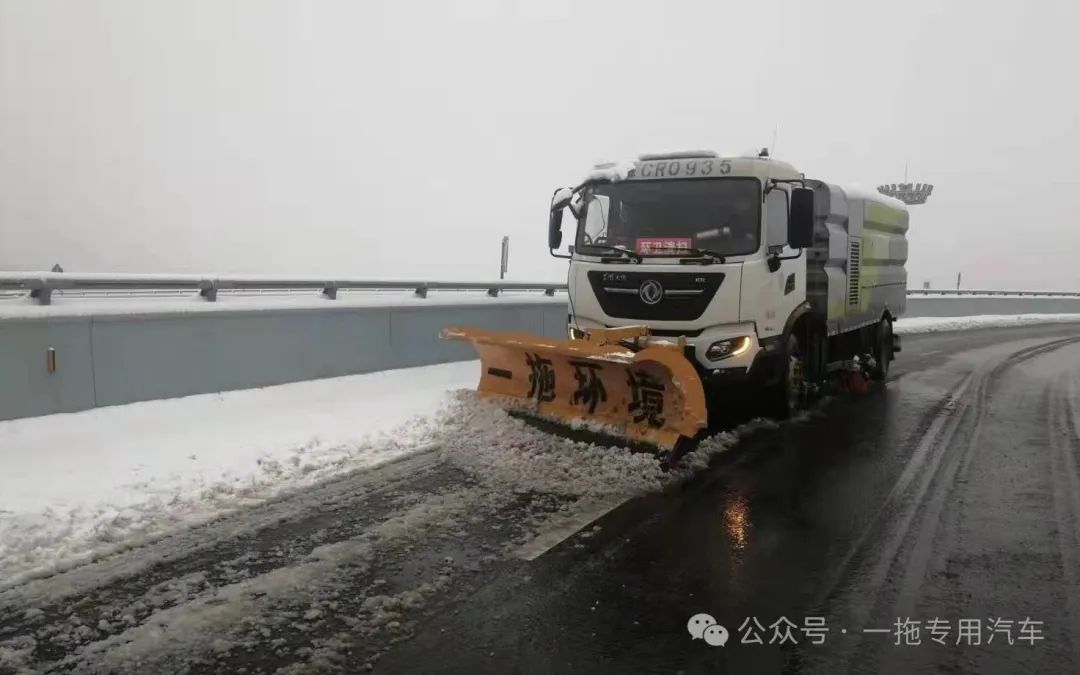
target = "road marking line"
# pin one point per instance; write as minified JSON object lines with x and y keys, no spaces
{"x":933,"y":351}
{"x":567,"y":528}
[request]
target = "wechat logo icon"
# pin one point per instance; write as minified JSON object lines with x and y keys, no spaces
{"x":704,"y":627}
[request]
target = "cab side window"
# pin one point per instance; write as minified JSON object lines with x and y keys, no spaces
{"x":776,"y":218}
{"x":596,"y":219}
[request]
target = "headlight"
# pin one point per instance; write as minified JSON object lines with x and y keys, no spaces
{"x":725,"y":349}
{"x":574,"y":333}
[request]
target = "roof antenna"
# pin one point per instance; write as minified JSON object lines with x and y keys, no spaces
{"x":764,"y":154}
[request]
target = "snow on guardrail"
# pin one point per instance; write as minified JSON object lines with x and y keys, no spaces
{"x":41,"y":285}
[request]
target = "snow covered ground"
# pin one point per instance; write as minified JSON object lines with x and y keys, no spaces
{"x":76,"y":486}
{"x":933,"y":324}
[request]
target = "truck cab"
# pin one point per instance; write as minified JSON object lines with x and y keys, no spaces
{"x":717,"y":252}
{"x":693,"y":245}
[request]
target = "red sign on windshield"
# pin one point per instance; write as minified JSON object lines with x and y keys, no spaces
{"x":662,"y":245}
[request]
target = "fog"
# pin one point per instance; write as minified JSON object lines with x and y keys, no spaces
{"x":393,"y":139}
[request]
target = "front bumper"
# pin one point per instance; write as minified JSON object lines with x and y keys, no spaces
{"x":732,"y":369}
{"x":766,"y":369}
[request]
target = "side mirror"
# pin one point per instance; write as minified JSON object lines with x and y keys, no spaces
{"x":801,"y":218}
{"x":555,"y":229}
{"x":559,"y":201}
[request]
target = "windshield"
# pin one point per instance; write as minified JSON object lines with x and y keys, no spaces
{"x":664,"y":217}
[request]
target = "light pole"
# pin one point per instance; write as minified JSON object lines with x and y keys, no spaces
{"x":909,"y":193}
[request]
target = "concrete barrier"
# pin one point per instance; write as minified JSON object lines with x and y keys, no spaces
{"x":27,"y":388}
{"x":127,"y":349}
{"x":113,"y":357}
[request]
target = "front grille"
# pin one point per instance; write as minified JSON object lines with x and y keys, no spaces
{"x":685,"y":295}
{"x":666,"y":332}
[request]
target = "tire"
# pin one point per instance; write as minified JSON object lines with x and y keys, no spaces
{"x":787,"y":396}
{"x":815,"y":356}
{"x":883,"y":350}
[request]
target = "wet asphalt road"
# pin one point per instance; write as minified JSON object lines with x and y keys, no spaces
{"x":954,"y":494}
{"x":950,"y":494}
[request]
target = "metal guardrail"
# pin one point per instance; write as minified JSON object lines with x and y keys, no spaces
{"x":951,"y":292}
{"x":41,"y":285}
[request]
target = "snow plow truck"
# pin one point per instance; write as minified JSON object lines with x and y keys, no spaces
{"x":697,"y":280}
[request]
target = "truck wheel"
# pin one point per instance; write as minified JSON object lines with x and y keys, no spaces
{"x":883,"y":350}
{"x":786,"y":397}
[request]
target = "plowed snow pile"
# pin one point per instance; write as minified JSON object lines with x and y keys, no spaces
{"x":75,"y":485}
{"x":86,"y":484}
{"x":508,"y":451}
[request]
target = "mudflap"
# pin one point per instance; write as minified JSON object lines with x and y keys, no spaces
{"x":616,"y":383}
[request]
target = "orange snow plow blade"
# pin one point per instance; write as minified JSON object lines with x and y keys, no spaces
{"x":649,"y":393}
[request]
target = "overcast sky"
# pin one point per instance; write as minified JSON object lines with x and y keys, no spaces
{"x":403,"y":139}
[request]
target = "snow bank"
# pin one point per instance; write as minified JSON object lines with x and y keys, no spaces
{"x":933,"y":324}
{"x":73,"y":484}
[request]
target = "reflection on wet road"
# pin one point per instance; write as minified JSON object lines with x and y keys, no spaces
{"x":941,"y":511}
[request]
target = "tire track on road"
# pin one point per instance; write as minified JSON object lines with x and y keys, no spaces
{"x":1064,"y":443}
{"x":908,"y":517}
{"x":110,"y":595}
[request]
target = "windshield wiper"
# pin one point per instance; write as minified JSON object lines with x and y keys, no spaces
{"x":688,"y":256}
{"x":627,"y":254}
{"x":692,"y":256}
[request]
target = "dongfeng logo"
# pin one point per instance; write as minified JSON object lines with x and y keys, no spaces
{"x":651,"y":292}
